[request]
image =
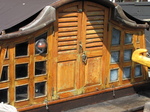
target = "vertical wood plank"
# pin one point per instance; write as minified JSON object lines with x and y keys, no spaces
{"x":12,"y":94}
{"x":31,"y":48}
{"x":50,"y":66}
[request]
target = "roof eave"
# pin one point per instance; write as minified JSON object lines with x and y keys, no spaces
{"x":47,"y":16}
{"x":121,"y":17}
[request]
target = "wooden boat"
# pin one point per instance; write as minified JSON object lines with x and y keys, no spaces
{"x":69,"y":52}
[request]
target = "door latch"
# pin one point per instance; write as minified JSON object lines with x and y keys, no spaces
{"x":84,"y":58}
{"x":80,"y":48}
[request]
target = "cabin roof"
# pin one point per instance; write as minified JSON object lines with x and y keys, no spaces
{"x":137,"y":9}
{"x":13,"y":12}
{"x":39,"y":13}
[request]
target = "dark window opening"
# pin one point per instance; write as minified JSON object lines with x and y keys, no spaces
{"x":40,"y":67}
{"x":3,"y":95}
{"x":39,"y":89}
{"x":22,"y":49}
{"x":44,"y":37}
{"x":21,"y":70}
{"x":21,"y":92}
{"x":7,"y":54}
{"x":4,"y":75}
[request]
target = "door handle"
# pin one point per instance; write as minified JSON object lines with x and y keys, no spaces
{"x":84,"y":58}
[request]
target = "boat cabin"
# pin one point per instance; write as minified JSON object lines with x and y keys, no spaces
{"x":69,"y":50}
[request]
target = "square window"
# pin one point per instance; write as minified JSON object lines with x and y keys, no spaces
{"x":115,"y":56}
{"x":138,"y":71}
{"x":40,"y":67}
{"x":21,"y":70}
{"x":4,"y":95}
{"x":21,"y":49}
{"x":128,"y":38}
{"x":4,"y":75}
{"x":21,"y":92}
{"x":127,"y":55}
{"x":115,"y":37}
{"x":114,"y":75}
{"x":126,"y":72}
{"x":39,"y":89}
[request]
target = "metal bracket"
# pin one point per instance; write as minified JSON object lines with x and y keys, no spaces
{"x":80,"y":10}
{"x":80,"y":47}
{"x":46,"y":104}
{"x":84,"y":58}
{"x":113,"y":90}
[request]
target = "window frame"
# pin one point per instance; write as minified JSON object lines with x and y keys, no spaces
{"x":137,"y":41}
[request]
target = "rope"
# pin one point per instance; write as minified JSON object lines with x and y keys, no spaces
{"x":147,"y":40}
{"x":7,"y":108}
{"x":148,"y":55}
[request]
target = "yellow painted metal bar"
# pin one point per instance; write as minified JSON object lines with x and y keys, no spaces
{"x":138,"y":57}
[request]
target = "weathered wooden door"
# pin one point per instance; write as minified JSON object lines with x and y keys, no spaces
{"x":79,"y":44}
{"x":93,"y":36}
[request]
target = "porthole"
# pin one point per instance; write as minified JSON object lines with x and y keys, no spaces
{"x":41,"y":44}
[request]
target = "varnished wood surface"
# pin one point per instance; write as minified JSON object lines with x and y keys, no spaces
{"x":80,"y":29}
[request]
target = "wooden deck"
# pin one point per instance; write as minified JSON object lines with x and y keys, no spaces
{"x":132,"y":103}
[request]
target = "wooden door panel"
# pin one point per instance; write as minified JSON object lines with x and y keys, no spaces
{"x":68,"y":25}
{"x":93,"y":71}
{"x":80,"y":31}
{"x":66,"y":76}
{"x":95,"y":22}
{"x":67,"y":59}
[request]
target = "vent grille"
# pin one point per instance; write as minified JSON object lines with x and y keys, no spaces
{"x":67,"y":30}
{"x":94,"y":28}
